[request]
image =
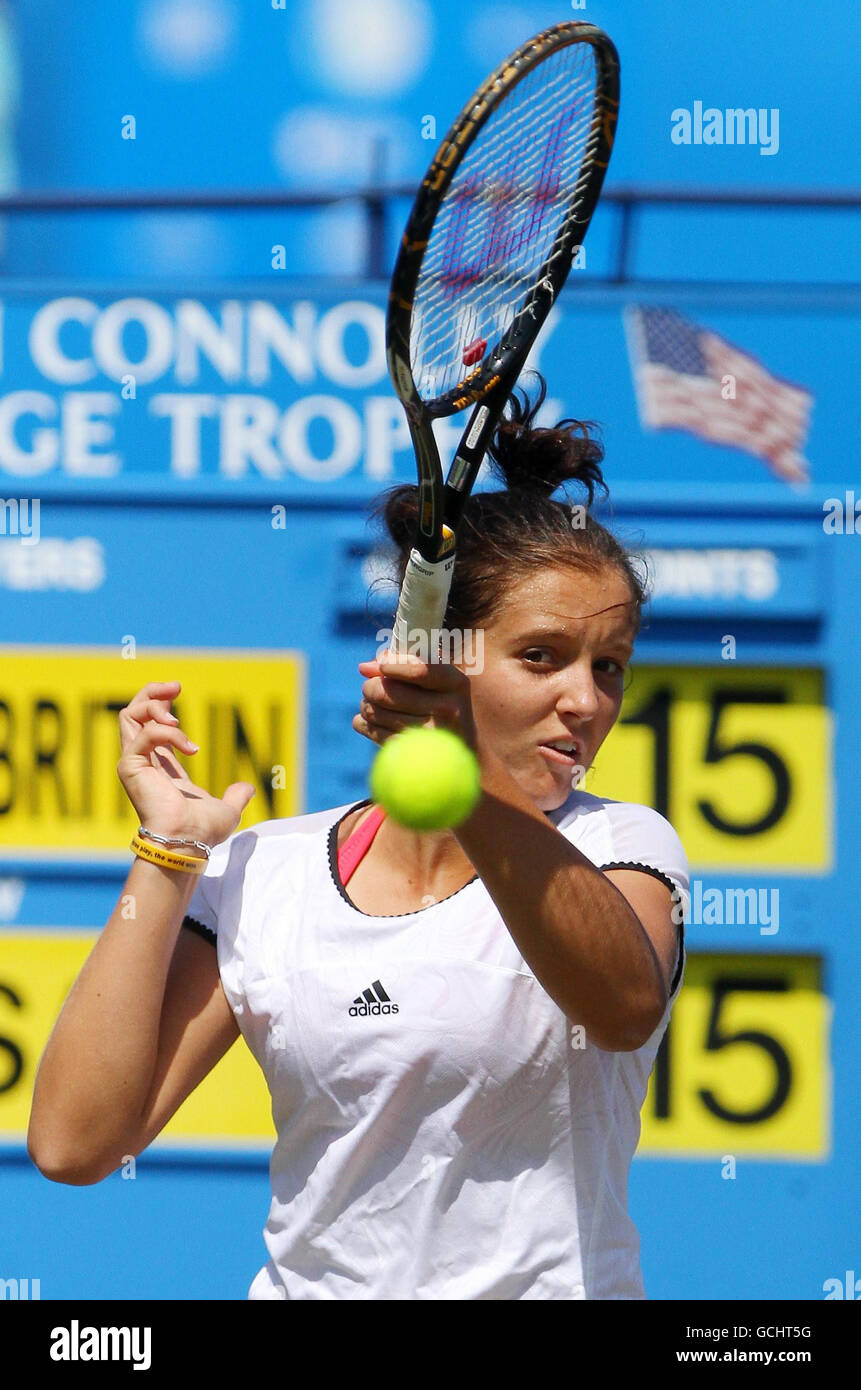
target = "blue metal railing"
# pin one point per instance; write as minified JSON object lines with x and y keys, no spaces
{"x":378,"y":199}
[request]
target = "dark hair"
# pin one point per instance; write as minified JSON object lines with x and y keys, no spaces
{"x":520,"y":529}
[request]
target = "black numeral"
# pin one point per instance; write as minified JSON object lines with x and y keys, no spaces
{"x":7,"y":1045}
{"x":655,"y":715}
{"x":715,"y":753}
{"x":716,"y":1041}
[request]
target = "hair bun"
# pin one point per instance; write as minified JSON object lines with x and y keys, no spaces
{"x":526,"y":459}
{"x":536,"y":459}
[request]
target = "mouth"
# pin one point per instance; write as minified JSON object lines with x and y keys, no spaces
{"x":566,"y":752}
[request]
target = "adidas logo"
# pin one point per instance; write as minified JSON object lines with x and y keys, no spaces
{"x":372,"y":1001}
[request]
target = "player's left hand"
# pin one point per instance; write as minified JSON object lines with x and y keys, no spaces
{"x":402,"y":692}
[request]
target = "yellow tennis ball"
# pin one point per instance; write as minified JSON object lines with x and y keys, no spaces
{"x":426,"y":779}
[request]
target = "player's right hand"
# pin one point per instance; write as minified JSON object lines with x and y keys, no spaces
{"x":163,"y":795}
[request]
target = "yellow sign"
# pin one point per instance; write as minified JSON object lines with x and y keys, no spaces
{"x":59,"y":738}
{"x":744,"y":1066}
{"x":738,"y":761}
{"x":37,"y":970}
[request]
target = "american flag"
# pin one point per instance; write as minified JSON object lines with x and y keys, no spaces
{"x":688,"y":378}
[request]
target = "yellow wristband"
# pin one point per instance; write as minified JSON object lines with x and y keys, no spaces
{"x":167,"y":858}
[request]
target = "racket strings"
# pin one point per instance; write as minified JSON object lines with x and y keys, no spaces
{"x":501,"y":217}
{"x":498,"y":206}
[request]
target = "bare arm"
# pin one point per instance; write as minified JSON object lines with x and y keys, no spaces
{"x":143,"y":1024}
{"x":602,"y":945}
{"x":146,"y":1018}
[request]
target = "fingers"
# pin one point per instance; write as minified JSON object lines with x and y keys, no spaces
{"x":238,"y":795}
{"x":368,"y":730}
{"x":134,"y":716}
{"x":410,"y":702}
{"x":390,"y":704}
{"x":155,"y":735}
{"x":151,"y":703}
{"x":403,"y":692}
{"x":417,"y":687}
{"x":433,"y":675}
{"x":385,"y":721}
{"x":165,"y":691}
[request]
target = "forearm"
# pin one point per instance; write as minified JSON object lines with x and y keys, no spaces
{"x":97,"y":1068}
{"x":576,"y":931}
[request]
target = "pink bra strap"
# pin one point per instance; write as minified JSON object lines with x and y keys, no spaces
{"x":354,"y":849}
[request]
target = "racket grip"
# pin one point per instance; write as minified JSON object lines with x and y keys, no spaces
{"x":423,"y":600}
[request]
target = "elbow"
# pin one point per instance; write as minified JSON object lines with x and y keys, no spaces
{"x":71,"y":1177}
{"x":68,"y":1173}
{"x":68,"y":1166}
{"x":632,"y":1029}
{"x":626,"y":1041}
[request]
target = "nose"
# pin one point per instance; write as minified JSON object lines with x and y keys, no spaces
{"x":579,"y":693}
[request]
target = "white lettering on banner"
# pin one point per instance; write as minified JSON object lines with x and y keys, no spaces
{"x":71,"y":443}
{"x":346,"y":345}
{"x":53,"y":564}
{"x":221,"y":343}
{"x":331,"y":343}
{"x":319,"y":436}
{"x":80,"y":430}
{"x":27,"y":463}
{"x":751,"y":574}
{"x":185,"y":414}
{"x":254,"y":435}
{"x":293,"y":345}
{"x":108,"y":334}
{"x":346,"y":437}
{"x":44,"y":340}
{"x":248,"y":426}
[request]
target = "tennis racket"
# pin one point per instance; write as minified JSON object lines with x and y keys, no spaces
{"x":488,"y":245}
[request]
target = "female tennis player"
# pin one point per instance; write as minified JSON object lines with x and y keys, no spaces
{"x":457,"y":1028}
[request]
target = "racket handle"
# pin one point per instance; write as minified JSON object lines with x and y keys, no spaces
{"x":423,"y":600}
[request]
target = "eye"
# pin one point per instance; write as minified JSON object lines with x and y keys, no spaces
{"x":616,"y":668}
{"x":538,"y":656}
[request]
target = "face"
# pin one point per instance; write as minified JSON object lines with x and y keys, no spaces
{"x":555,"y":655}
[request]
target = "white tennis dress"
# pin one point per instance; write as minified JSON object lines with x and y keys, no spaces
{"x":441,"y":1134}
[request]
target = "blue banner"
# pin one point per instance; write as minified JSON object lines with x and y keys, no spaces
{"x":235,"y":392}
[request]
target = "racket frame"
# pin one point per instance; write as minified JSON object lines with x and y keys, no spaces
{"x":486,"y":388}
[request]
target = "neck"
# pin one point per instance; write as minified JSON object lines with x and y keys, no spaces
{"x":428,"y":857}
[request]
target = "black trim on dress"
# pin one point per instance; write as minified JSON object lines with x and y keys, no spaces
{"x":336,"y":878}
{"x":200,"y":930}
{"x":656,"y":873}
